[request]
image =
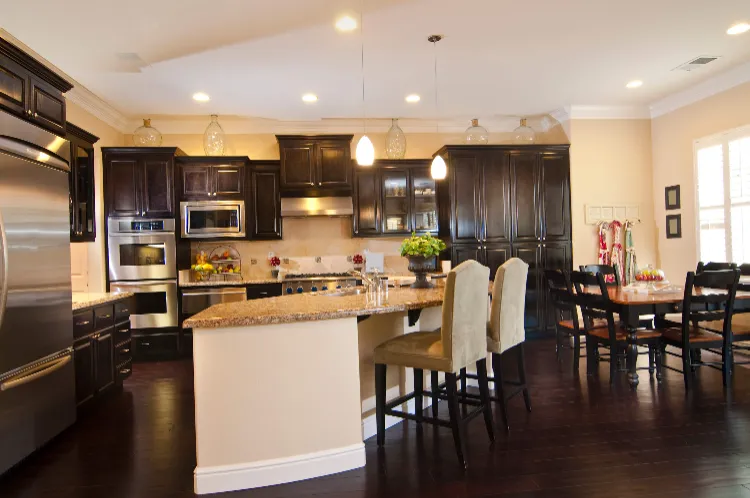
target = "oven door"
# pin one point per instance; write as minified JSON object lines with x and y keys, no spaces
{"x":142,"y":257}
{"x":155,"y":303}
{"x":212,"y":219}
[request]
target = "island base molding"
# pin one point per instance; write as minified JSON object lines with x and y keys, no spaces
{"x":278,"y":471}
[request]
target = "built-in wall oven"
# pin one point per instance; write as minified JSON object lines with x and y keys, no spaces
{"x":142,"y":259}
{"x":212,"y":219}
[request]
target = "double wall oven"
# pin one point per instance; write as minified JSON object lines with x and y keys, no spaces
{"x":142,"y":259}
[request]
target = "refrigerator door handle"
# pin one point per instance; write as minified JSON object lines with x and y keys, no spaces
{"x":38,"y":372}
{"x":3,"y":269}
{"x":33,"y":153}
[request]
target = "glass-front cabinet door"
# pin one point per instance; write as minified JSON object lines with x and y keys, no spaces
{"x":82,"y":187}
{"x":396,"y":201}
{"x":425,"y":201}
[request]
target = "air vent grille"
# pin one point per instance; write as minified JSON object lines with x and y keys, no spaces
{"x":696,"y":63}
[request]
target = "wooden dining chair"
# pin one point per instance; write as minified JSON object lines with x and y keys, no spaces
{"x":567,"y":324}
{"x":592,"y":295}
{"x":605,"y":270}
{"x":708,"y":300}
{"x":714,"y":266}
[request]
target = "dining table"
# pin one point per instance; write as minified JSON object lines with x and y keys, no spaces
{"x":658,"y":301}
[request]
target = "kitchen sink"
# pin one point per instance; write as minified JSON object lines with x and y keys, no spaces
{"x":345,"y":292}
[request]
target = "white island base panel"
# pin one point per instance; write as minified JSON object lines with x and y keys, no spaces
{"x":276,"y":403}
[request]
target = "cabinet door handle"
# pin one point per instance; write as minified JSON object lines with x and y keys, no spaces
{"x":145,"y":344}
{"x":124,"y":310}
{"x":123,"y":331}
{"x":85,"y":322}
{"x":125,"y":351}
{"x":105,"y":317}
{"x":263,"y":293}
{"x":125,"y":371}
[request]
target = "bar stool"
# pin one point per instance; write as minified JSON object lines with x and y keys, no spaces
{"x":460,"y":342}
{"x":505,"y":331}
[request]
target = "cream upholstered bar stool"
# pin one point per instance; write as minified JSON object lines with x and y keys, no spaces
{"x":459,"y":342}
{"x":505,"y":331}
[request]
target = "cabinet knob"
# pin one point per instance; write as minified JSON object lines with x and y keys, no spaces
{"x":125,"y":351}
{"x":125,"y":371}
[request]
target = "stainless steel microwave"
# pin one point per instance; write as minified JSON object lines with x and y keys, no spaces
{"x":212,"y":219}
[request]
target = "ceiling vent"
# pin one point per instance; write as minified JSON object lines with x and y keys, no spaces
{"x":696,"y":63}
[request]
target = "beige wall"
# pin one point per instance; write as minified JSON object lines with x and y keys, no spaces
{"x":611,"y":164}
{"x":673,"y":135}
{"x":94,"y":252}
{"x":108,"y":137}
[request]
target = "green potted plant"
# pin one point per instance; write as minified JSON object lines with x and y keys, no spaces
{"x":421,"y":252}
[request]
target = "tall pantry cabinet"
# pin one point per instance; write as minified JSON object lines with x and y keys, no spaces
{"x":502,"y":201}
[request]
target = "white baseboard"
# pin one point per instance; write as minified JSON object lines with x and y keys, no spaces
{"x":223,"y":478}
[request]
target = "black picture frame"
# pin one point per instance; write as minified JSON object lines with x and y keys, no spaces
{"x":674,"y":192}
{"x":674,"y":226}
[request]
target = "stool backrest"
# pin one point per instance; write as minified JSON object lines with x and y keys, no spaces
{"x":605,"y":270}
{"x":709,"y":296}
{"x":560,"y":292}
{"x":464,"y":327}
{"x":505,"y":328}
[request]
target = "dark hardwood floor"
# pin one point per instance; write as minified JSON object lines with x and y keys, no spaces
{"x":583,"y":439}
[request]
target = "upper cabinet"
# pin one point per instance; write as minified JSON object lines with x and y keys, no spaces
{"x":205,"y":178}
{"x":266,"y":200}
{"x":82,"y":184}
{"x":395,"y":197}
{"x":139,"y":181}
{"x":30,"y":90}
{"x":315,"y":166}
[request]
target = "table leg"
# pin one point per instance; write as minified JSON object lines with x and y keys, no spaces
{"x":631,"y":323}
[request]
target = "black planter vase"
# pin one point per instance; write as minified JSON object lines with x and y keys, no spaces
{"x":420,"y":266}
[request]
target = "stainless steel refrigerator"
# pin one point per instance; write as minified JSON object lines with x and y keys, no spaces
{"x":37,"y":384}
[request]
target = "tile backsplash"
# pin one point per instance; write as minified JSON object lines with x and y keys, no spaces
{"x":311,"y":245}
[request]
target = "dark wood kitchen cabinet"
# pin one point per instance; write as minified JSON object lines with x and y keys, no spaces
{"x":395,"y":197}
{"x":139,"y":181}
{"x":101,"y":349}
{"x":82,"y":184}
{"x":315,"y":166}
{"x":31,"y":90}
{"x":266,"y":200}
{"x":206,"y":178}
{"x":505,"y":200}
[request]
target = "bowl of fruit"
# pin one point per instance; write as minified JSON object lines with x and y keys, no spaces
{"x":650,"y":274}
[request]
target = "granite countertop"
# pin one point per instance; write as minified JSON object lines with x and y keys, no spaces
{"x":229,"y":283}
{"x":82,"y":300}
{"x":313,"y":306}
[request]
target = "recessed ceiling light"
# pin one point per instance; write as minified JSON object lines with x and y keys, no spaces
{"x":635,"y":84}
{"x":310,"y":97}
{"x":413,"y":98}
{"x":201,"y":97}
{"x":346,"y":23}
{"x":739,"y":28}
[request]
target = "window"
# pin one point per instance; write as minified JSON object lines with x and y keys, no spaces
{"x":722,"y":170}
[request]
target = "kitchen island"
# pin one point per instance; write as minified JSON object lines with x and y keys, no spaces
{"x":284,"y":386}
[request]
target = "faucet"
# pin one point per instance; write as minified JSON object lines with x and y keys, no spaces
{"x":371,"y":283}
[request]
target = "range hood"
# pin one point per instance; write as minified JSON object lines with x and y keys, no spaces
{"x":300,"y":207}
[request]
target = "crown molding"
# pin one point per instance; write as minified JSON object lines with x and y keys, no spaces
{"x":88,"y":101}
{"x":608,"y":112}
{"x":712,"y":86}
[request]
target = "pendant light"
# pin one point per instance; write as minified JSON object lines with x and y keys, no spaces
{"x":365,"y":153}
{"x":438,"y":169}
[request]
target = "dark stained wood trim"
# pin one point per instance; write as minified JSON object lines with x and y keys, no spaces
{"x":314,"y":137}
{"x":535,"y":147}
{"x":218,"y":160}
{"x":25,"y":60}
{"x":80,"y":133}
{"x":143,"y":150}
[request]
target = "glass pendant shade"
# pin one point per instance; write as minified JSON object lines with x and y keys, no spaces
{"x":146,"y":135}
{"x":438,"y":169}
{"x":214,"y":138}
{"x":365,"y":153}
{"x":476,"y":135}
{"x":524,"y":134}
{"x":395,"y":141}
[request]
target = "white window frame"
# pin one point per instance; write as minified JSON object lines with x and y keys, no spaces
{"x":722,"y":139}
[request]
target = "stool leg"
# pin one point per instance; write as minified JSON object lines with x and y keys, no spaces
{"x":651,"y":359}
{"x":380,"y":401}
{"x":499,"y":391}
{"x":463,"y":382}
{"x":522,"y":376}
{"x":434,"y":387}
{"x":592,"y":361}
{"x":418,"y":390}
{"x":484,"y":395}
{"x":450,"y":383}
{"x":558,"y":344}
{"x":576,"y":352}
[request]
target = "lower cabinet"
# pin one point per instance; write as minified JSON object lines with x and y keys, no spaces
{"x":101,"y":353}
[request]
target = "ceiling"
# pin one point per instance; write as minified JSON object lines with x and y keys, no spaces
{"x":256,"y":58}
